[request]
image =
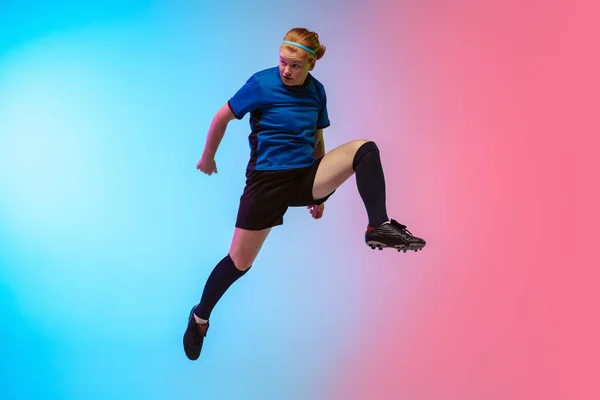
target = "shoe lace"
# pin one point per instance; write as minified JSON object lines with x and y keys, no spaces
{"x":401,"y":227}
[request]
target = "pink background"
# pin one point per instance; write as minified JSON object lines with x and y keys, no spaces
{"x":486,"y":114}
{"x":494,"y":159}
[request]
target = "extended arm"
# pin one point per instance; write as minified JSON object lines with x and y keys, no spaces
{"x":217,"y":131}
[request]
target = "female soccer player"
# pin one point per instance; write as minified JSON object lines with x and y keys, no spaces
{"x":288,"y":167}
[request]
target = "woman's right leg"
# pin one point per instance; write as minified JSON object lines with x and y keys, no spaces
{"x":245,"y":246}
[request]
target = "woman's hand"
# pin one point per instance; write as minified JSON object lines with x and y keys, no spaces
{"x":207,"y":165}
{"x":316,"y":210}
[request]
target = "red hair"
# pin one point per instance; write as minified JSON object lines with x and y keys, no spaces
{"x":306,"y":38}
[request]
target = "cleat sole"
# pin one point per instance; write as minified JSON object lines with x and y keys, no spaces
{"x":379,"y":245}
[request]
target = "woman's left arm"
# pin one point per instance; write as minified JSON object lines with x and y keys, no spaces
{"x":319,"y":145}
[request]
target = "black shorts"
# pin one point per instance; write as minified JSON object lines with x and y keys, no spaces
{"x":268,"y":194}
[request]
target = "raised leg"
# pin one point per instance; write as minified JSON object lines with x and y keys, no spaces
{"x":335,"y":168}
{"x":361,"y":157}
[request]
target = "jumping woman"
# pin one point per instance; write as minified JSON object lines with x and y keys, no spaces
{"x":288,"y":167}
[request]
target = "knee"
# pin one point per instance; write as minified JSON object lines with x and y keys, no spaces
{"x":241,"y":261}
{"x":363,"y":147}
{"x":358,"y":143}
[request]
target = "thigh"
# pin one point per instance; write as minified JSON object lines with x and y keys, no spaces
{"x":246,"y":245}
{"x":335,"y":168}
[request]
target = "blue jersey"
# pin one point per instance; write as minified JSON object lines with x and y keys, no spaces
{"x":283,"y":119}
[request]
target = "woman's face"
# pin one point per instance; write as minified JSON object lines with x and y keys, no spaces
{"x":293,"y":69}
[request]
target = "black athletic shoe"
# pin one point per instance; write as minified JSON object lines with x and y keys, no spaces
{"x":393,"y":235}
{"x":194,"y":337}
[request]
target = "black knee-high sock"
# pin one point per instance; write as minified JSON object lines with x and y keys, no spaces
{"x":220,"y":279}
{"x":371,"y":182}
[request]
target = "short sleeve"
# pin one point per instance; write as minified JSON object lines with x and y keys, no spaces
{"x":323,"y":121}
{"x":247,"y":99}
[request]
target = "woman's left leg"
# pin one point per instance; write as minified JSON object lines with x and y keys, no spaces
{"x":361,"y":157}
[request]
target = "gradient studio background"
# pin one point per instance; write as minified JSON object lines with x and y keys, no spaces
{"x":484,"y":113}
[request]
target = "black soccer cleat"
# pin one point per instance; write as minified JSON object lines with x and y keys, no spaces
{"x":394,"y":235}
{"x":193,"y":338}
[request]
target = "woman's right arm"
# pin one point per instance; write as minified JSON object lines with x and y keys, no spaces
{"x":217,"y":131}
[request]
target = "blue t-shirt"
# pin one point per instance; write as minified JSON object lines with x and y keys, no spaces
{"x":283,"y":119}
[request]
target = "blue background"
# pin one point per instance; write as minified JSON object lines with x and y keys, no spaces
{"x":482,"y":112}
{"x":107,"y":231}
